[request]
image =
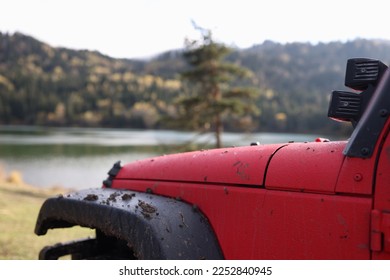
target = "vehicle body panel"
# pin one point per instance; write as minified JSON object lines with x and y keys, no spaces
{"x":291,"y":165}
{"x":380,"y":225}
{"x":255,"y":223}
{"x":292,"y":216}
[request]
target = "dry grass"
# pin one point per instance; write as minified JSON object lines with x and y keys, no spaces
{"x":19,"y":207}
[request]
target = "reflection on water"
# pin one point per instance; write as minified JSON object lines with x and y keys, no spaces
{"x":80,"y":158}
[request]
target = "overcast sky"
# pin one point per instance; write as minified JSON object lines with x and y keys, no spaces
{"x":142,"y":28}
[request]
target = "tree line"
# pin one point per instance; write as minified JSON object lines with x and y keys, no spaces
{"x":43,"y":85}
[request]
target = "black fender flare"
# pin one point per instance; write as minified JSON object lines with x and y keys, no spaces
{"x":155,"y":227}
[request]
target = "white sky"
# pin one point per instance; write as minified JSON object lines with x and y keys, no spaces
{"x":141,"y":28}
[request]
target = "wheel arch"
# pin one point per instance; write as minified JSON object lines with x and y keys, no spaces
{"x":155,"y":227}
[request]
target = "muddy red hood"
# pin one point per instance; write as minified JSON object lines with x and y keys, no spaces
{"x":235,"y":166}
{"x":284,"y":166}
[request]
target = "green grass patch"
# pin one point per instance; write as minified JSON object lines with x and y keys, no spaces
{"x":19,"y":208}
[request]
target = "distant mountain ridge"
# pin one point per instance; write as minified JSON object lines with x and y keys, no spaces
{"x":43,"y":85}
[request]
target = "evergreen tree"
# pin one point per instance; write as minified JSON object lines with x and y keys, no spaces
{"x":212,"y":98}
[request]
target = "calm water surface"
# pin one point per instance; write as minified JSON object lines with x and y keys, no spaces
{"x":80,"y":158}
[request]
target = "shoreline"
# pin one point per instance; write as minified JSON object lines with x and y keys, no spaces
{"x":13,"y":180}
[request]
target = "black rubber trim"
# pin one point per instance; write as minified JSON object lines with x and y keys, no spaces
{"x":155,"y":227}
{"x":112,"y":174}
{"x":61,"y":249}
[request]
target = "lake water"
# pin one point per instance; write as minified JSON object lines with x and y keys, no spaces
{"x":80,"y":158}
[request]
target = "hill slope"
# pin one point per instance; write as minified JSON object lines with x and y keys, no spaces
{"x":43,"y":85}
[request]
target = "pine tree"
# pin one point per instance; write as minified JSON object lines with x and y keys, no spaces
{"x":211,"y":97}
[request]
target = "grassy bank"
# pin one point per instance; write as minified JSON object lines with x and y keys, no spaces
{"x":19,"y":207}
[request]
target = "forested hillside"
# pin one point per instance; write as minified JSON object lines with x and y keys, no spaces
{"x":42,"y":85}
